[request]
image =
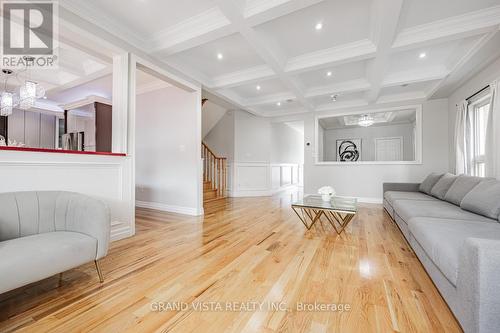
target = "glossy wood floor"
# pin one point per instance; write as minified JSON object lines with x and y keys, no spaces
{"x":244,"y":250}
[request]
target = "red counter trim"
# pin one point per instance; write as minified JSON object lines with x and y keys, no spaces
{"x":57,"y":151}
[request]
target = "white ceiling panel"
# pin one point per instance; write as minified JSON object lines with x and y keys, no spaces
{"x":296,"y":33}
{"x":417,"y":12}
{"x":267,"y":87}
{"x":445,"y":55}
{"x":340,"y":98}
{"x":333,"y":75}
{"x":148,"y":17}
{"x":236,"y":55}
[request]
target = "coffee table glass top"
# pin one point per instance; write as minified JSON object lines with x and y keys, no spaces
{"x":336,"y":203}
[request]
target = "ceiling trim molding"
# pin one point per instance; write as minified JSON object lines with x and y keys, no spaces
{"x":270,"y":99}
{"x":245,"y":76}
{"x":404,"y":97}
{"x":355,"y":51}
{"x":96,"y":17}
{"x":151,"y":86}
{"x":342,"y":105}
{"x":198,"y":25}
{"x":341,"y":87}
{"x":414,"y":76}
{"x":470,"y":24}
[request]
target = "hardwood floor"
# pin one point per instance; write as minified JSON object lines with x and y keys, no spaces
{"x":243,"y":250}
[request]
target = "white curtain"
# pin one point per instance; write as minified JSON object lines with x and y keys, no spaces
{"x":462,"y":139}
{"x":492,"y":162}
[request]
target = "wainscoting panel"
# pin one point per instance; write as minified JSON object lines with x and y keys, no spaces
{"x":261,"y":179}
{"x":103,"y":177}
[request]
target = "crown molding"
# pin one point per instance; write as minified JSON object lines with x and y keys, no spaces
{"x":270,"y":99}
{"x":414,"y":76}
{"x":245,"y":76}
{"x":341,"y":87}
{"x":461,"y":26}
{"x":151,"y":86}
{"x":86,"y":101}
{"x":355,"y":51}
{"x":84,"y":10}
{"x":404,"y":97}
{"x":342,"y":105}
{"x":198,"y":25}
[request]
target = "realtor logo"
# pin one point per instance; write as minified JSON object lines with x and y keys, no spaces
{"x":29,"y":29}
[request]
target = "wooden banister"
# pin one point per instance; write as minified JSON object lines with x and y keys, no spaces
{"x":214,"y":170}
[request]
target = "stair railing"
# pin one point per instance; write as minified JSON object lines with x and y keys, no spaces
{"x":214,"y":170}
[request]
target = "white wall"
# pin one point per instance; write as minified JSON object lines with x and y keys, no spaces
{"x":287,"y":144}
{"x":220,"y":139}
{"x":476,"y":83}
{"x":211,"y":114}
{"x":263,"y":157}
{"x":365,"y":181}
{"x":166,"y":151}
{"x":368,"y":136}
{"x":252,"y":138}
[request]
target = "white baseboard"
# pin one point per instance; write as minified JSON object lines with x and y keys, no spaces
{"x":120,"y":232}
{"x":169,"y":208}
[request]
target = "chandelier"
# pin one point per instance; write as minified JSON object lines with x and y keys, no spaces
{"x":366,"y":120}
{"x":27,"y":93}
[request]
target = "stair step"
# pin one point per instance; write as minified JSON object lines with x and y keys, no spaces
{"x":209,"y":194}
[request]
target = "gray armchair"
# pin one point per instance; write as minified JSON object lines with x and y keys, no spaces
{"x":46,"y":233}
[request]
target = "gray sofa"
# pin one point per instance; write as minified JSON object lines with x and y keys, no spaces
{"x":46,"y":233}
{"x":452,"y":224}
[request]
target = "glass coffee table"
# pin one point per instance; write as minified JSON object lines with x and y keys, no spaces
{"x":338,"y":211}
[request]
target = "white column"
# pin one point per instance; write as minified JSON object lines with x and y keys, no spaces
{"x":121,"y":95}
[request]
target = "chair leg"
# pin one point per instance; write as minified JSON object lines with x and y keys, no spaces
{"x":99,"y":272}
{"x":60,"y":279}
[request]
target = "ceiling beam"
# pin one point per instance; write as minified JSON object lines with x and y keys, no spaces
{"x":270,"y":55}
{"x":491,"y":40}
{"x":384,"y":23}
{"x":81,"y":80}
{"x":338,"y":88}
{"x":246,"y":76}
{"x":462,"y":26}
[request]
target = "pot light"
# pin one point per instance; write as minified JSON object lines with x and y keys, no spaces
{"x":328,"y":73}
{"x":220,"y":56}
{"x":258,"y":87}
{"x":318,"y":26}
{"x":422,"y":55}
{"x":365,"y":120}
{"x":278,"y":104}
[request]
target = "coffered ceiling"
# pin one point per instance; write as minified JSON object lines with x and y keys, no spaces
{"x":278,"y":57}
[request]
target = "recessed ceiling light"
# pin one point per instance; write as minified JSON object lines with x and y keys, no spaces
{"x":318,"y":26}
{"x":258,"y":87}
{"x":220,"y":56}
{"x":278,"y":104}
{"x":422,"y":55}
{"x":328,"y":73}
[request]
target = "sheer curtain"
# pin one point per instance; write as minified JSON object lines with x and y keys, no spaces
{"x":492,"y":164}
{"x":462,"y":144}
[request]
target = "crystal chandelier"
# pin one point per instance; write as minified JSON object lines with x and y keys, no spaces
{"x":28,"y":92}
{"x":366,"y":120}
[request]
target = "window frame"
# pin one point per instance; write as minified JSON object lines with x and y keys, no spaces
{"x":473,"y":109}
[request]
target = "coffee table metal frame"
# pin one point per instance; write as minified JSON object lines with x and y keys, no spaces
{"x":338,"y":219}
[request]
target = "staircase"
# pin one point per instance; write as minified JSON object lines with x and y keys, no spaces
{"x":214,"y":175}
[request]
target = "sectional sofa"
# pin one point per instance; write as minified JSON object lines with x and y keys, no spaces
{"x":46,"y":233}
{"x":452,"y":224}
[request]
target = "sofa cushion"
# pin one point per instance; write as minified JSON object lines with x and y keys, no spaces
{"x":443,"y":239}
{"x":33,"y":258}
{"x":462,"y":185}
{"x":407,"y":209}
{"x":443,"y":185}
{"x":392,"y":196}
{"x":429,"y":182}
{"x":484,"y":199}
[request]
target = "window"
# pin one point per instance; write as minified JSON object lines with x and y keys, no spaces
{"x":479,"y":116}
